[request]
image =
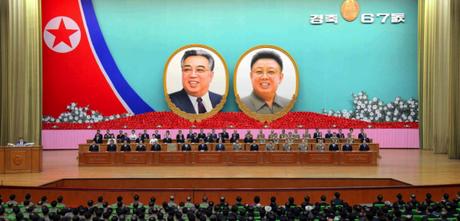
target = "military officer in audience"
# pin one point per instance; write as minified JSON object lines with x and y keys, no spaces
{"x":287,"y":145}
{"x":189,"y":204}
{"x":363,"y":136}
{"x":98,"y":137}
{"x":145,"y":136}
{"x":334,"y":146}
{"x":261,"y":136}
{"x":254,"y":146}
{"x":202,"y":134}
{"x":220,"y":146}
{"x":347,"y":146}
{"x":303,"y":146}
{"x":320,"y":145}
{"x":125,"y":147}
{"x":186,"y":146}
{"x":235,"y":136}
{"x":317,"y":135}
{"x":328,"y":134}
{"x":94,"y":147}
{"x":236,"y":146}
{"x":334,"y":137}
{"x":156,"y":146}
{"x":340,"y":134}
{"x":248,"y":137}
{"x":364,"y":146}
{"x":111,"y":147}
{"x":108,"y":135}
{"x":270,"y":146}
{"x":283,"y":134}
{"x":140,"y":147}
{"x":167,"y":138}
{"x":202,"y":146}
{"x":180,"y":138}
{"x":224,"y":135}
{"x":120,"y":136}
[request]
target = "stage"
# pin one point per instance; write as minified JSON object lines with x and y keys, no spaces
{"x":413,"y":166}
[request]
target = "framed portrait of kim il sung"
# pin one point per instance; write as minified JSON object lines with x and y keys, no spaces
{"x":195,"y":82}
{"x":266,"y":82}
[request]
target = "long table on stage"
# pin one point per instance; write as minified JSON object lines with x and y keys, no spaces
{"x":20,"y":159}
{"x":233,"y":158}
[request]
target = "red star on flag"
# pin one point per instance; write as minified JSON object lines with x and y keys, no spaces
{"x":62,"y":34}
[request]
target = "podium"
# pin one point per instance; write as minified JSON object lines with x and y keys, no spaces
{"x":20,"y":159}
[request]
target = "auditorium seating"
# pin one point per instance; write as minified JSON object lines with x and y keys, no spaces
{"x":145,"y":208}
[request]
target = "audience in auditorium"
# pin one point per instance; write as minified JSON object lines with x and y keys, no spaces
{"x":336,"y":209}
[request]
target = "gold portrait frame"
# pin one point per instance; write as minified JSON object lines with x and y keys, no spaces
{"x":244,"y":108}
{"x":172,"y":106}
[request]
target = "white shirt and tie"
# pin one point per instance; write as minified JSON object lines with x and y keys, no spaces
{"x":205,"y":100}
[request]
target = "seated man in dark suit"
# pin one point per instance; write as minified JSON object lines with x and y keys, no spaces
{"x":195,"y":138}
{"x":167,"y":139}
{"x":120,"y":136}
{"x":126,"y":138}
{"x":364,"y":146}
{"x":98,"y":137}
{"x":156,"y":134}
{"x":156,"y":146}
{"x":186,"y":146}
{"x":213,"y":135}
{"x":248,"y":137}
{"x":328,"y":134}
{"x":220,"y":146}
{"x":254,"y":146}
{"x":140,"y":147}
{"x":190,"y":135}
{"x":334,"y":146}
{"x":235,"y":136}
{"x":111,"y":147}
{"x":224,"y":135}
{"x":180,"y":138}
{"x":347,"y":146}
{"x":197,"y":74}
{"x":94,"y":147}
{"x":201,"y":135}
{"x":202,"y":147}
{"x":317,"y":135}
{"x":340,"y":134}
{"x":145,"y":136}
{"x":108,"y":135}
{"x":125,"y":147}
{"x":363,"y":136}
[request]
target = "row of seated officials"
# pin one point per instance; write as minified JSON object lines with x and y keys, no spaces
{"x":203,"y":147}
{"x":206,"y":210}
{"x":224,"y":136}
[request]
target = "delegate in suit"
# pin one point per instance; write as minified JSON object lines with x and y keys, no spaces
{"x":197,"y":73}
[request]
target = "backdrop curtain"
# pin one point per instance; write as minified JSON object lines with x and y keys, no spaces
{"x":21,"y":70}
{"x":439,"y":76}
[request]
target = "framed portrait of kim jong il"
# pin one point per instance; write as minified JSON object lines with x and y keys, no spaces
{"x":266,"y":82}
{"x":195,"y":82}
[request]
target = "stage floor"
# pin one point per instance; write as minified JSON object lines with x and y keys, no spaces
{"x":415,"y":167}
